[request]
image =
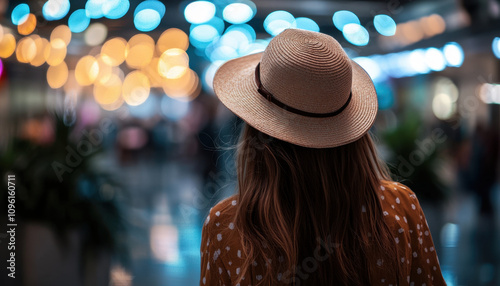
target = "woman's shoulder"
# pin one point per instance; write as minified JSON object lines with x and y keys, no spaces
{"x":222,"y":214}
{"x":395,"y":190}
{"x":400,"y":202}
{"x":225,"y":207}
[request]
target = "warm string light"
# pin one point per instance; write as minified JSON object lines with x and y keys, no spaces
{"x":162,"y":64}
{"x":165,"y":63}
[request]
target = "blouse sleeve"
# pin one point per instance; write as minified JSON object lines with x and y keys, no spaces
{"x":213,"y":271}
{"x":425,"y":269}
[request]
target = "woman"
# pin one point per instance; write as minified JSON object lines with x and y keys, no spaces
{"x":314,"y":206}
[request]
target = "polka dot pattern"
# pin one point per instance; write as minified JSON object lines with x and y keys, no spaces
{"x":223,"y":255}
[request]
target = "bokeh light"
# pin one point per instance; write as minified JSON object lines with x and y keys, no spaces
{"x":55,"y":52}
{"x":26,"y":50}
{"x":147,"y":20}
{"x":139,"y":51}
{"x":239,"y":13}
{"x":186,"y":87}
{"x":356,"y":34}
{"x":495,"y":47}
{"x":7,"y":45}
{"x":96,"y":34}
{"x":151,"y":71}
{"x":55,"y":9}
{"x":93,"y":9}
{"x":371,"y":67}
{"x":432,"y":25}
{"x":173,"y":63}
{"x":136,"y":88}
{"x":235,"y":42}
{"x":417,"y":61}
{"x":105,"y":70}
{"x":115,"y":9}
{"x":28,"y":26}
{"x":78,"y":21}
{"x":20,"y":13}
{"x":199,"y":12}
{"x":442,"y":106}
{"x":113,"y":51}
{"x":278,"y":21}
{"x":86,"y":70}
{"x":153,"y":5}
{"x":41,"y":44}
{"x":148,"y":15}
{"x":454,"y":54}
{"x":61,"y":32}
{"x":202,"y":35}
{"x":109,"y":92}
{"x":57,"y":75}
{"x":172,"y":38}
{"x":385,"y":25}
{"x":344,"y":17}
{"x":446,"y":85}
{"x":490,"y":93}
{"x":434,"y":58}
{"x":209,"y":73}
{"x":305,"y":24}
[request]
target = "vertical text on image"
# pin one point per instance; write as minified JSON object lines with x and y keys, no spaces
{"x":11,"y":225}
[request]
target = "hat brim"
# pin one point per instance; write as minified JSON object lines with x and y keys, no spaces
{"x":234,"y":84}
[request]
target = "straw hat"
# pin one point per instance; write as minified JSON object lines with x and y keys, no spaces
{"x":302,"y":89}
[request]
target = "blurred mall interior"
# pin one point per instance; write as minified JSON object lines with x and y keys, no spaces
{"x":119,"y":147}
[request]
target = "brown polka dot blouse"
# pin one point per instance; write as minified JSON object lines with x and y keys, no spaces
{"x":222,"y":254}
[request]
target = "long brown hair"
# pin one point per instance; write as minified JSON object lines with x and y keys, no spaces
{"x":316,"y":209}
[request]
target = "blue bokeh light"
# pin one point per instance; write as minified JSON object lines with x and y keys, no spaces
{"x":115,"y":9}
{"x":147,"y":20}
{"x":208,"y":75}
{"x":216,"y":22}
{"x":239,"y":13}
{"x":20,"y":14}
{"x":238,"y":37}
{"x":199,"y":12}
{"x":495,"y":46}
{"x":55,"y":9}
{"x":435,"y":59}
{"x":233,"y":43}
{"x":256,"y":47}
{"x":417,"y":61}
{"x":202,"y":35}
{"x":151,"y":4}
{"x":223,"y":53}
{"x":78,"y":21}
{"x":305,"y":24}
{"x":344,"y":17}
{"x":371,"y":67}
{"x":454,"y":54}
{"x":356,"y":34}
{"x":93,"y":8}
{"x":277,"y":21}
{"x":385,"y":25}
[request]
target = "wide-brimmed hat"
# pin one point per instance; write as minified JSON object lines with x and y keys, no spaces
{"x":302,"y":89}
